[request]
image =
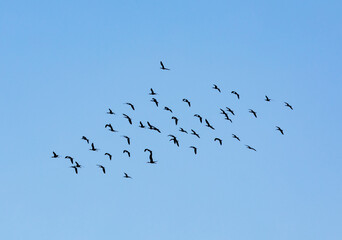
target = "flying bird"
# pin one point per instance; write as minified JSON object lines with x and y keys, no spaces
{"x":128,"y":153}
{"x":78,"y":165}
{"x":167,"y":109}
{"x":128,"y":140}
{"x":174,"y":139}
{"x":152,"y":92}
{"x":238,"y":96}
{"x":126,"y":175}
{"x":109,"y":155}
{"x":280,"y":130}
{"x":75,"y":168}
{"x":110,"y":111}
{"x":215,"y":87}
{"x":128,"y":118}
{"x":288,"y":105}
{"x":93,"y":148}
{"x":102,"y":167}
{"x":199,"y":117}
{"x":182,"y":130}
{"x":187,"y":101}
{"x":162,"y":66}
{"x":176,"y":120}
{"x":70,"y":158}
{"x":234,"y":136}
{"x":195,"y":149}
{"x":267,"y":99}
{"x":110,"y":127}
{"x":130,"y":104}
{"x":141,"y":125}
{"x":151,"y":158}
{"x":254,"y":113}
{"x":218,"y":139}
{"x":249,"y":147}
{"x":55,"y":155}
{"x":155,"y":101}
{"x":194,"y":133}
{"x":208,"y":125}
{"x":86,"y":139}
{"x":227,"y":118}
{"x":229,"y":110}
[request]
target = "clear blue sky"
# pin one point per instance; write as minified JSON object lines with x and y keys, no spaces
{"x":63,"y":63}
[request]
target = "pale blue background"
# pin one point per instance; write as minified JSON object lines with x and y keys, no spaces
{"x":63,"y":63}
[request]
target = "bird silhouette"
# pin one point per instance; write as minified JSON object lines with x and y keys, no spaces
{"x":194,"y":133}
{"x":227,"y":118}
{"x":267,"y":99}
{"x":128,"y":140}
{"x":226,"y":115}
{"x":195,"y":149}
{"x":75,"y":168}
{"x":126,"y":175}
{"x":215,"y":87}
{"x":86,"y":139}
{"x":70,"y":158}
{"x":176,"y":120}
{"x":174,"y":139}
{"x":182,"y":130}
{"x":93,"y":148}
{"x":249,"y":147}
{"x":288,"y":105}
{"x":152,"y":127}
{"x":254,"y":113}
{"x":128,"y":118}
{"x":187,"y":101}
{"x":162,"y":66}
{"x":150,"y":157}
{"x":110,"y":111}
{"x":55,"y":155}
{"x":238,"y":96}
{"x":218,"y":139}
{"x":167,"y":109}
{"x":280,"y":130}
{"x":199,"y":117}
{"x":141,"y":125}
{"x":110,"y":127}
{"x":128,"y":153}
{"x":130,"y":104}
{"x":234,"y":136}
{"x":152,"y":92}
{"x":109,"y":155}
{"x":229,"y":110}
{"x":155,"y":101}
{"x":78,"y":165}
{"x":208,"y":125}
{"x":102,"y":167}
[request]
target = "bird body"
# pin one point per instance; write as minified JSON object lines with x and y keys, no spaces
{"x":102,"y":167}
{"x":128,"y":153}
{"x":251,"y":148}
{"x":236,"y":137}
{"x":194,"y":148}
{"x":162,"y":66}
{"x":208,"y":124}
{"x":128,"y":118}
{"x":216,"y":88}
{"x":128,"y":140}
{"x":176,"y":120}
{"x":93,"y":148}
{"x":280,"y":130}
{"x":152,"y":92}
{"x":55,"y":155}
{"x":199,"y":117}
{"x":109,"y":155}
{"x":253,"y":112}
{"x":155,"y":101}
{"x":187,"y":101}
{"x":238,"y":96}
{"x":219,"y":140}
{"x":131,"y":105}
{"x":70,"y":158}
{"x":182,"y":130}
{"x":288,"y":105}
{"x":126,"y":176}
{"x":167,"y":109}
{"x":86,"y":139}
{"x":267,"y":99}
{"x":110,"y":111}
{"x":194,"y":133}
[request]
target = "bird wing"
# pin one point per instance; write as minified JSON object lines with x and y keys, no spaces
{"x":161,"y":63}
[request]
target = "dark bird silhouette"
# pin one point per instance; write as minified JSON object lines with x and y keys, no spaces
{"x":226,"y":115}
{"x":93,"y":148}
{"x":141,"y":125}
{"x":182,"y":130}
{"x":126,"y":175}
{"x":110,"y":111}
{"x":110,"y":127}
{"x":86,"y":139}
{"x":194,"y":133}
{"x":280,"y":130}
{"x":249,"y":147}
{"x":150,"y":126}
{"x":78,"y":165}
{"x":151,"y":158}
{"x":254,"y":113}
{"x":152,"y":92}
{"x":215,"y":87}
{"x":109,"y":155}
{"x":155,"y":101}
{"x":199,"y":117}
{"x":130,"y":104}
{"x":75,"y":168}
{"x":187,"y":101}
{"x":102,"y":167}
{"x":218,"y":139}
{"x":162,"y":66}
{"x":167,"y":109}
{"x":70,"y":158}
{"x":156,"y":129}
{"x":174,"y":139}
{"x":288,"y":105}
{"x":128,"y":153}
{"x":128,"y":140}
{"x":208,"y":125}
{"x":176,"y":120}
{"x":229,"y":110}
{"x":234,"y":136}
{"x":267,"y":99}
{"x":227,"y":118}
{"x":238,"y":96}
{"x":128,"y":118}
{"x":195,"y":149}
{"x":55,"y":155}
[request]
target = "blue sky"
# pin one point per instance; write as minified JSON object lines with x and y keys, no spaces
{"x":63,"y":64}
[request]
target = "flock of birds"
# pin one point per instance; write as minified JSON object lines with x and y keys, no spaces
{"x":226,"y":112}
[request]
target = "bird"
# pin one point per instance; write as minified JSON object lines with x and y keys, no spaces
{"x":288,"y":105}
{"x":238,"y":96}
{"x":254,"y":113}
{"x":176,"y":120}
{"x":110,"y":127}
{"x":267,"y":99}
{"x":194,"y":133}
{"x":174,"y":139}
{"x":110,"y":111}
{"x":150,"y":126}
{"x":182,"y":130}
{"x":86,"y":139}
{"x":195,"y":149}
{"x":280,"y":130}
{"x":70,"y":158}
{"x":151,"y":158}
{"x":128,"y":118}
{"x":130,"y":104}
{"x":227,"y":118}
{"x":167,"y":109}
{"x":128,"y":140}
{"x":229,"y":110}
{"x":208,"y":125}
{"x":199,"y":117}
{"x":152,"y":92}
{"x":249,"y":147}
{"x":78,"y":165}
{"x":75,"y":168}
{"x":109,"y":155}
{"x":187,"y":101}
{"x":93,"y":148}
{"x":234,"y":136}
{"x":215,"y":87}
{"x":55,"y":155}
{"x":141,"y":125}
{"x":155,"y":129}
{"x":128,"y":153}
{"x":102,"y":167}
{"x":162,"y":66}
{"x":155,"y":101}
{"x":226,"y":115}
{"x":126,"y":175}
{"x":218,"y":139}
